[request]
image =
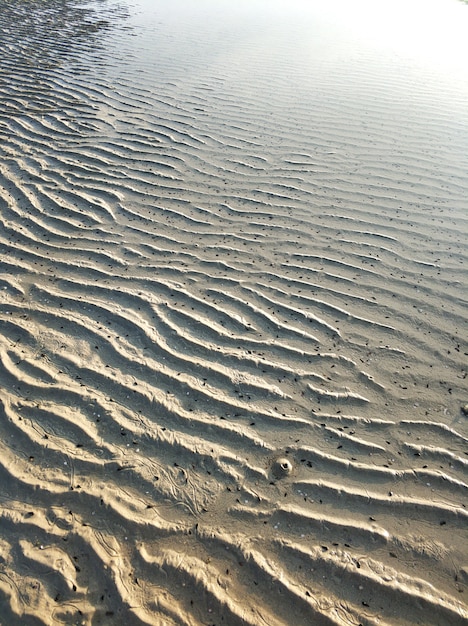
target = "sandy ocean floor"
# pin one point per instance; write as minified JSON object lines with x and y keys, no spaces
{"x":233,"y":312}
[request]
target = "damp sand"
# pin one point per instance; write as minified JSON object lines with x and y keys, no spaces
{"x":233,"y":301}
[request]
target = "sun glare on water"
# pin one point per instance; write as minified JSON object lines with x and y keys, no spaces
{"x":433,"y":32}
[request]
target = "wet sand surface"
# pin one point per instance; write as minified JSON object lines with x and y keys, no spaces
{"x":233,"y":295}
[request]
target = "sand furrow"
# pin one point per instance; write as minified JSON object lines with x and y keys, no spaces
{"x":233,"y":300}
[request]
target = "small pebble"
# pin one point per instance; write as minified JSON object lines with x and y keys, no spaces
{"x":465,"y":409}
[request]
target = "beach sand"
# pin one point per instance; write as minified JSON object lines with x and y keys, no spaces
{"x":233,"y":295}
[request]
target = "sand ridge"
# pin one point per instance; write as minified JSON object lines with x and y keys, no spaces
{"x":232,"y":322}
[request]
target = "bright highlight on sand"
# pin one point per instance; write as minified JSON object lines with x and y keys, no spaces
{"x":233,"y":295}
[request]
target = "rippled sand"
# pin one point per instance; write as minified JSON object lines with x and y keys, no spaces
{"x":233,"y":301}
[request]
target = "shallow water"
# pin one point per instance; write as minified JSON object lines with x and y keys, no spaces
{"x":233,"y":313}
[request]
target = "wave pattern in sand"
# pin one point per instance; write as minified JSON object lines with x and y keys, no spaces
{"x":232,"y":325}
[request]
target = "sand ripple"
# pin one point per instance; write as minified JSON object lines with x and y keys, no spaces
{"x":232,"y":327}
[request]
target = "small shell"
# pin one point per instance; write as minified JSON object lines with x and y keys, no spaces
{"x":281,"y":467}
{"x":465,"y":409}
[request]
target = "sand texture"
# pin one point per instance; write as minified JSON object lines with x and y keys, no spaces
{"x":233,"y":314}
